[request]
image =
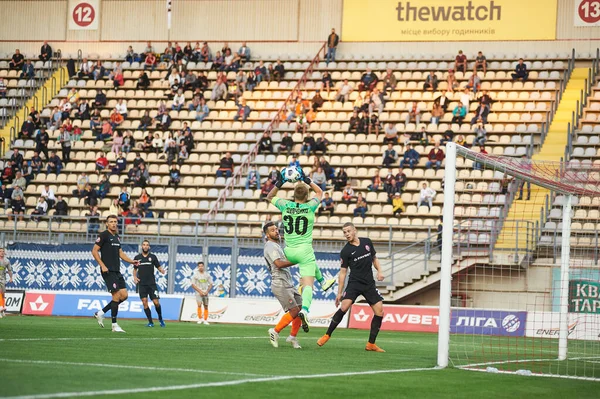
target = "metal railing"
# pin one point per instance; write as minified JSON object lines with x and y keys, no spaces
{"x":247,"y":160}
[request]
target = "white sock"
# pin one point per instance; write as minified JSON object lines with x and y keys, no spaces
{"x":114,"y":324}
{"x":100,"y":313}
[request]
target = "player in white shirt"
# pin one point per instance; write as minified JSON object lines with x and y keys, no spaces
{"x":202,"y":283}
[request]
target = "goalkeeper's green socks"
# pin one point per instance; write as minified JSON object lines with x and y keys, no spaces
{"x":319,"y":276}
{"x":307,"y":296}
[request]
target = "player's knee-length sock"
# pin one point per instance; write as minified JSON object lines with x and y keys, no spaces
{"x":307,"y":296}
{"x":319,"y":275}
{"x":148,"y":314}
{"x":114,"y":310}
{"x":1,"y":300}
{"x":296,"y":323}
{"x":375,"y":326}
{"x":335,"y":320}
{"x":158,"y":312}
{"x":199,"y":313}
{"x":283,"y":322}
{"x":205,"y":313}
{"x":107,"y":307}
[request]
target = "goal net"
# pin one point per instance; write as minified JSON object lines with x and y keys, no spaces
{"x":520,"y":281}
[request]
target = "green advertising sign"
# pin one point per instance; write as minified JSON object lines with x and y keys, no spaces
{"x":584,"y":296}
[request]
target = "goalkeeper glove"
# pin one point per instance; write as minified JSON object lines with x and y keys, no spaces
{"x":305,"y":178}
{"x":281,"y":180}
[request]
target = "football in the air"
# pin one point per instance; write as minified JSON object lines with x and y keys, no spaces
{"x":291,"y":174}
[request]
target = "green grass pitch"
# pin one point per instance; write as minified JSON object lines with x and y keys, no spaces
{"x":46,"y":357}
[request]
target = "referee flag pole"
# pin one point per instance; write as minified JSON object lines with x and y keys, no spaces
{"x":446,"y":261}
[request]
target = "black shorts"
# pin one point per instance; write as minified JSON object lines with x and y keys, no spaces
{"x":146,"y":291}
{"x":369,"y":291}
{"x":114,"y":281}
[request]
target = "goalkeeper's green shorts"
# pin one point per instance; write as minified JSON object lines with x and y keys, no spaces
{"x":304,"y":257}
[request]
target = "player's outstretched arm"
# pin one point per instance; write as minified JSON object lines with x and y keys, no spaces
{"x":273,"y":193}
{"x":377,"y":267}
{"x":318,"y":191}
{"x":283,"y":263}
{"x":127,"y":259}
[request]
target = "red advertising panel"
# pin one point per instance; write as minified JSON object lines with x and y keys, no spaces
{"x":397,"y":318}
{"x":38,"y":304}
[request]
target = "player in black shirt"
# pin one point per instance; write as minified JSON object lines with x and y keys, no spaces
{"x":108,"y":253}
{"x":359,"y":255}
{"x":143,"y":276}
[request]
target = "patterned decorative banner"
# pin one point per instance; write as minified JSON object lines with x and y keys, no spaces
{"x":186,"y":260}
{"x":254,"y":279}
{"x":70,"y":267}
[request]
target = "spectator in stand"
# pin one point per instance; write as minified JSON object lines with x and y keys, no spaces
{"x":143,"y":81}
{"x":361,"y":206}
{"x":41,"y":209}
{"x":332,"y":42}
{"x":117,"y":143}
{"x":218,"y":62}
{"x":327,"y":82}
{"x":390,"y":156}
{"x":294,"y":162}
{"x":54,"y":164}
{"x":241,"y":80}
{"x":174,"y":176}
{"x":178,"y":100}
{"x":17,"y":61}
{"x":435,"y":158}
{"x":243,"y":111}
{"x":431,"y":82}
{"x":17,"y":209}
{"x":426,"y":196}
{"x":146,"y":145}
{"x":82,"y":181}
{"x":128,"y":142}
{"x":480,"y":136}
{"x":41,"y":142}
{"x":131,"y":56}
{"x":17,"y":158}
{"x":520,"y":71}
{"x":85,"y":69}
{"x":61,"y":208}
{"x":279,"y":71}
{"x":93,"y":220}
{"x":101,"y":162}
{"x":226,"y":166}
{"x":474,"y":83}
{"x":90,"y":196}
{"x":8,"y":174}
{"x":287,"y":144}
{"x":251,"y":81}
{"x":411,"y":157}
{"x":414,"y":112}
{"x":465,"y":98}
{"x":124,"y":199}
{"x":150,"y":61}
{"x":343,"y":93}
{"x":364,"y":123}
{"x":46,"y":52}
{"x":116,"y":119}
{"x":376,"y":183}
{"x":481,"y":114}
{"x":105,"y":132}
{"x":64,"y":138}
{"x":253,"y":178}
{"x":317,"y":101}
{"x":436,"y":114}
{"x":368,"y":81}
{"x":260,"y":72}
{"x":265,"y":144}
{"x":458,"y":114}
{"x":460,"y":62}
{"x":327,"y":205}
{"x":443,"y":100}
{"x":340,"y":180}
{"x":322,"y":144}
{"x":36,"y":162}
{"x":460,"y":140}
{"x":348,"y":194}
{"x":144,"y":201}
{"x":452,"y":83}
{"x":389,"y":81}
{"x":374,"y":125}
{"x":98,"y":71}
{"x":244,"y":53}
{"x":398,"y":205}
{"x":183,"y":155}
{"x":163,"y":121}
{"x":391,"y":134}
{"x":121,"y":108}
{"x":205,"y":54}
{"x":266,"y":189}
{"x":28,"y":173}
{"x":318,"y":177}
{"x":392,"y":188}
{"x":480,"y":63}
{"x":27,"y":72}
{"x":100,"y":99}
{"x":149,"y":49}
{"x":308,"y":144}
{"x":27,"y":129}
{"x":103,"y":187}
{"x":3,"y":88}
{"x":375,"y":102}
{"x":219,"y":91}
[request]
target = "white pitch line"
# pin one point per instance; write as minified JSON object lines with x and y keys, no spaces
{"x":210,"y":384}
{"x":128,"y":339}
{"x":124,"y":366}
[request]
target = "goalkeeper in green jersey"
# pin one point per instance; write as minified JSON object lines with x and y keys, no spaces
{"x":298,"y":218}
